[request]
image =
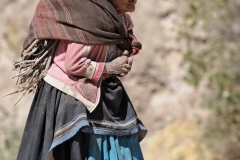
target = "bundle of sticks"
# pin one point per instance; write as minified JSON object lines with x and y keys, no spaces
{"x":33,"y":66}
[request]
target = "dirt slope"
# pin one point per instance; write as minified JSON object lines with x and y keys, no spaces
{"x":155,"y":84}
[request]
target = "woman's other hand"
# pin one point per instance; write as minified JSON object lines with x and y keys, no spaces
{"x":128,"y":66}
{"x":119,"y":66}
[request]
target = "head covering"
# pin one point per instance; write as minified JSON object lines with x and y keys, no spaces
{"x":83,"y":21}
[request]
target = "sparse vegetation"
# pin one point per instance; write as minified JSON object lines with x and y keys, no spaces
{"x":214,"y":63}
{"x":9,"y":136}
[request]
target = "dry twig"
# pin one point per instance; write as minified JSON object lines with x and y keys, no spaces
{"x":33,"y":66}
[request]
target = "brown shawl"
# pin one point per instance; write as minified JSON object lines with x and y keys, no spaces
{"x":82,"y":21}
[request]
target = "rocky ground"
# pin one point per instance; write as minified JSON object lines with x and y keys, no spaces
{"x":164,"y":102}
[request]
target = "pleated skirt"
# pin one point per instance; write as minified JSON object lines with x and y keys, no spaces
{"x":59,"y":127}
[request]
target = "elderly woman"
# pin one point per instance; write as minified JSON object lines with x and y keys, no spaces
{"x":80,"y":109}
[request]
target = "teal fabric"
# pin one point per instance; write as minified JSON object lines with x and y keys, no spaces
{"x":109,"y":147}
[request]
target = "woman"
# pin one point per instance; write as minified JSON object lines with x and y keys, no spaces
{"x":80,"y":109}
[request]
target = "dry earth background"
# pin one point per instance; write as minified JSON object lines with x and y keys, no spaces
{"x":166,"y":104}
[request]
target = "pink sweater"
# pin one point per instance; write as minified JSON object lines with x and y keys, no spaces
{"x":77,"y":69}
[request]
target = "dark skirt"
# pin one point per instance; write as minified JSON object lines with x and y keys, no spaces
{"x":60,"y":125}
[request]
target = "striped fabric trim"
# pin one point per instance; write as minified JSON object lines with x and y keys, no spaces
{"x":80,"y":121}
{"x":98,"y":72}
{"x":63,"y":29}
{"x":70,"y":125}
{"x":91,"y":69}
{"x":114,"y":124}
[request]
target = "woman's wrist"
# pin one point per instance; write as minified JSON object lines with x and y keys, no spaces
{"x":107,"y":68}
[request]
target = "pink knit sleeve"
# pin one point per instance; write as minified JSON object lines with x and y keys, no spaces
{"x":78,"y":63}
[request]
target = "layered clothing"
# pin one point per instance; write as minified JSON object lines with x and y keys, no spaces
{"x":78,"y":112}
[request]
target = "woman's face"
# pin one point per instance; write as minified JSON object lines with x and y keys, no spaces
{"x":123,"y":6}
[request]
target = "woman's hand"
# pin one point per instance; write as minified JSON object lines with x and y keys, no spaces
{"x":119,"y":66}
{"x":128,"y":66}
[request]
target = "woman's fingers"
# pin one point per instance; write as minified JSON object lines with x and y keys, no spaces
{"x":125,"y":70}
{"x":127,"y":66}
{"x":121,"y":65}
{"x":126,"y":53}
{"x":130,"y":60}
{"x":123,"y":74}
